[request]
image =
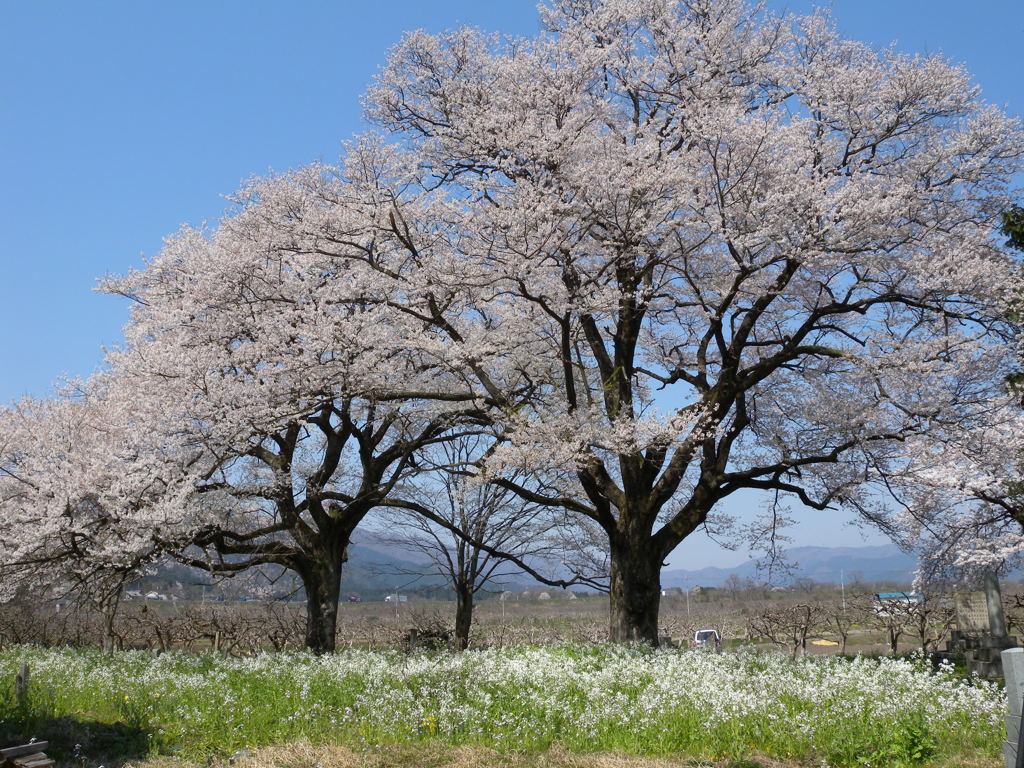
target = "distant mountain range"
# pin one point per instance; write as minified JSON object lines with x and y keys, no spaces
{"x":375,"y":564}
{"x":377,"y":567}
{"x":822,"y":564}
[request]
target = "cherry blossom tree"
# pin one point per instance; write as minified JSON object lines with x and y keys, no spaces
{"x":961,"y":503}
{"x":957,"y":499}
{"x":667,"y":252}
{"x":264,"y":362}
{"x":297,"y":494}
{"x":663,"y":252}
{"x":684,"y":249}
{"x":84,"y":503}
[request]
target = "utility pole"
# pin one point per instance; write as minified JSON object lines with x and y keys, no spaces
{"x":842,"y":586}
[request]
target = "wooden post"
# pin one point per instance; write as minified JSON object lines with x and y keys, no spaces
{"x":27,"y":755}
{"x":21,"y":686}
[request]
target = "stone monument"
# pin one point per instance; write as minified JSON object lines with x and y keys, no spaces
{"x":971,"y":612}
{"x":981,"y":629}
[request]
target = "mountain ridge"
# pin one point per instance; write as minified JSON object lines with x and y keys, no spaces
{"x":885,"y":562}
{"x":377,"y":565}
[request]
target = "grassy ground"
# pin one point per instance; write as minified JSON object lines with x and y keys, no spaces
{"x":524,"y":704}
{"x":303,"y":755}
{"x":584,"y":620}
{"x":435,"y":756}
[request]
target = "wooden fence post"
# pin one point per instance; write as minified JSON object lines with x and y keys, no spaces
{"x":27,"y":756}
{"x":21,"y":686}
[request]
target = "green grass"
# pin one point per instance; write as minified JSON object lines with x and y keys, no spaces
{"x":580,"y":698}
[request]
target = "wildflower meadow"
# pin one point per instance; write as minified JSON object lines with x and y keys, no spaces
{"x":582,"y":698}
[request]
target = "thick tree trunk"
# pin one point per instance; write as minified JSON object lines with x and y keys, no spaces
{"x":635,"y":594}
{"x":463,"y":615}
{"x":322,"y":582}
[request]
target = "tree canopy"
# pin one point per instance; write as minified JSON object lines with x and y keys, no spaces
{"x":661,"y":253}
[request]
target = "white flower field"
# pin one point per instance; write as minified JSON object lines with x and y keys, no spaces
{"x":840,"y":712}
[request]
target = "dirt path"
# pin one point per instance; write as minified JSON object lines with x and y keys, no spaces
{"x":435,"y":756}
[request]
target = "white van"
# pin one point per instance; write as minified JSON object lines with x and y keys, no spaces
{"x":707,"y":639}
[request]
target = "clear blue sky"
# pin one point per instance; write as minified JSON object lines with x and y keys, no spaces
{"x":119,"y":121}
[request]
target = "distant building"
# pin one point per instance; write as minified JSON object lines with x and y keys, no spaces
{"x":887,"y":602}
{"x":901,"y":598}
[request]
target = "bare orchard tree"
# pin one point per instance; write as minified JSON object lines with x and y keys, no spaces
{"x":1013,"y":609}
{"x":841,"y":616}
{"x":789,"y":626}
{"x":735,"y":585}
{"x":930,"y":619}
{"x":894,"y":617}
{"x":477,"y":514}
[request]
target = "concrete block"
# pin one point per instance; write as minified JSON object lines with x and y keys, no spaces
{"x":1013,"y":670}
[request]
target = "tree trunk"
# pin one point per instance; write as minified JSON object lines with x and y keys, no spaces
{"x":109,"y":605}
{"x":894,"y":640}
{"x":463,"y":615}
{"x":321,"y":579}
{"x":635,"y":594}
{"x":109,"y":638}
